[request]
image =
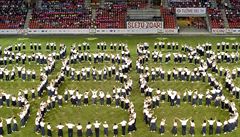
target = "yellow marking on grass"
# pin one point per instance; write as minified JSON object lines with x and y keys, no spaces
{"x":230,"y":38}
{"x":161,"y":38}
{"x":90,"y":39}
{"x":22,"y":39}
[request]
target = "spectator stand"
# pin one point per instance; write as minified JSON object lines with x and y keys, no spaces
{"x":111,"y":16}
{"x":233,"y":14}
{"x":13,"y":14}
{"x":169,"y":17}
{"x":61,"y":15}
{"x":191,"y":15}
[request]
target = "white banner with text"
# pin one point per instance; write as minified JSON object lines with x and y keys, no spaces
{"x":106,"y":31}
{"x":170,"y":31}
{"x":190,"y":11}
{"x":236,"y":31}
{"x":219,"y":31}
{"x":10,"y":31}
{"x":145,"y":25}
{"x":95,"y":31}
{"x":58,"y":31}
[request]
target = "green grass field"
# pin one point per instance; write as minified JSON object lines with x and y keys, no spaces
{"x":103,"y":113}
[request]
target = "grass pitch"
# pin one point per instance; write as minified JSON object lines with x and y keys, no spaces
{"x":82,"y":115}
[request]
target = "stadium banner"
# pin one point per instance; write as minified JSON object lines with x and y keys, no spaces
{"x":10,"y":31}
{"x":92,"y":31}
{"x":145,"y":25}
{"x":228,"y":30}
{"x":95,"y":31}
{"x":219,"y":31}
{"x":128,"y":31}
{"x":58,"y":31}
{"x":170,"y":31}
{"x":236,"y":31}
{"x":191,"y":11}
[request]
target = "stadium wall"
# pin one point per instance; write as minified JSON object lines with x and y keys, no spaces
{"x":220,"y":31}
{"x":95,"y":31}
{"x":225,"y":31}
{"x":10,"y":31}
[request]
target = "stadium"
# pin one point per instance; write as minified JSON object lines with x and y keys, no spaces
{"x":108,"y":68}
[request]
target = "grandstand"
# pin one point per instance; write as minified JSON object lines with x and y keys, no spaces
{"x":169,"y":18}
{"x":110,"y":68}
{"x":176,"y":15}
{"x":61,"y":14}
{"x":216,"y":19}
{"x":233,"y":14}
{"x":111,"y":16}
{"x":13,"y":14}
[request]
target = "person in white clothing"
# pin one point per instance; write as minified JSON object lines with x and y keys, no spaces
{"x":105,"y":126}
{"x":89,"y":130}
{"x":9,"y":123}
{"x":70,"y":129}
{"x":211,"y":122}
{"x":97,"y":125}
{"x":123,"y":124}
{"x":49,"y":130}
{"x":184,"y":125}
{"x":79,"y":130}
{"x":115,"y":130}
{"x":60,"y":130}
{"x":1,"y":127}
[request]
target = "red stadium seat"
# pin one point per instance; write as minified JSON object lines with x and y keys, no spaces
{"x":169,"y":18}
{"x":12,"y":18}
{"x":215,"y":18}
{"x":233,"y":14}
{"x":61,"y":14}
{"x":111,"y":16}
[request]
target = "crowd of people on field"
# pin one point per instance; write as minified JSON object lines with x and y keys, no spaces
{"x":12,"y":122}
{"x":205,"y":60}
{"x":154,"y":98}
{"x":119,"y":95}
